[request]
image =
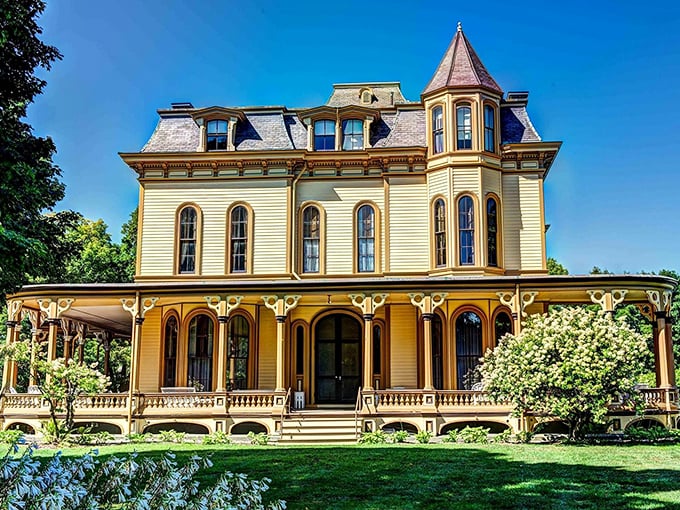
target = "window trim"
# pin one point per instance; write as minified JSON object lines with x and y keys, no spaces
{"x":199,"y":241}
{"x":352,"y":120}
{"x":433,"y":226}
{"x":475,"y":230}
{"x":226,"y":134}
{"x":377,"y":247}
{"x":322,"y":238}
{"x":492,"y":106}
{"x":499,"y":231}
{"x":250,"y":239}
{"x":335,"y":134}
{"x":178,"y":358}
{"x":433,"y":130}
{"x":465,"y":104}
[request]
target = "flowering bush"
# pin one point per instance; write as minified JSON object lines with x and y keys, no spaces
{"x":570,"y":364}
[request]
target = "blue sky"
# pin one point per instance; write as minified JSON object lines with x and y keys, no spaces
{"x":603,"y":78}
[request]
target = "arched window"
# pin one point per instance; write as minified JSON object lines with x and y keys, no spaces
{"x":440,"y":232}
{"x":377,"y":350}
{"x":492,"y":232}
{"x":466,"y":231}
{"x":200,"y":352}
{"x":170,"y":352}
{"x":216,"y":135}
{"x":437,"y":130}
{"x":311,"y":239}
{"x":489,"y":129}
{"x":366,"y":239}
{"x":468,"y":348}
{"x":188,"y":223}
{"x":502,"y":325}
{"x":352,"y":135}
{"x":437,"y":352}
{"x":324,"y":135}
{"x":238,"y":240}
{"x":238,"y":347}
{"x":464,"y":127}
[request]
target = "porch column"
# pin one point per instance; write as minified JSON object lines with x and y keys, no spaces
{"x":10,"y":370}
{"x":663,"y":345}
{"x":80,"y":341}
{"x":427,"y":304}
{"x":223,"y":308}
{"x":53,"y":310}
{"x":37,"y":337}
{"x":137,"y":308}
{"x":670,"y":360}
{"x":106,"y":345}
{"x":67,"y":327}
{"x":280,"y":306}
{"x":368,"y":304}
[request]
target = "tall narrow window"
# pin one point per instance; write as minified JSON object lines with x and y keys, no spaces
{"x":366,"y":239}
{"x":464,"y":127}
{"x":440,"y":232}
{"x":502,"y":325}
{"x":352,"y":135}
{"x":187,"y":240}
{"x":489,"y":129}
{"x":300,"y":351}
{"x":216,"y":135}
{"x":466,"y":231}
{"x":170,"y":358}
{"x":238,"y":346}
{"x":239,"y":240}
{"x":468,"y":348}
{"x":324,"y":135}
{"x":199,"y":366}
{"x":437,"y":352}
{"x":377,"y":352}
{"x":438,"y":130}
{"x":492,"y":232}
{"x":311,"y":238}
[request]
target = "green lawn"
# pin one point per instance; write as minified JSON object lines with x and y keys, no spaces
{"x":450,"y":476}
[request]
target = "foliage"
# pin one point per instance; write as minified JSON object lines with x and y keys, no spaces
{"x":524,"y":436}
{"x":452,"y":436}
{"x":503,"y":437}
{"x":122,"y":482}
{"x":555,"y":268}
{"x":423,"y":436}
{"x":61,"y":384}
{"x":85,"y":437}
{"x":569,"y":364}
{"x":172,"y":436}
{"x":474,"y":435}
{"x":11,"y":436}
{"x":399,"y":436}
{"x":135,"y":437}
{"x":260,"y":439}
{"x":653,"y":434}
{"x":217,"y":437}
{"x":373,"y":437}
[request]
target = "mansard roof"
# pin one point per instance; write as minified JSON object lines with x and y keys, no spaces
{"x":461,"y":68}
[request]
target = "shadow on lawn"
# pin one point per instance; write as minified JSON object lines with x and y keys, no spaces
{"x":469,"y":478}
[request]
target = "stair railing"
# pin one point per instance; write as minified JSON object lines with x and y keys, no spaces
{"x":357,"y":408}
{"x":285,"y":410}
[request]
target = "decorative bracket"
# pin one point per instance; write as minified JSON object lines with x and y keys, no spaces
{"x":54,"y":308}
{"x":526,"y":299}
{"x":508,"y":299}
{"x":368,"y":304}
{"x":223,"y":307}
{"x":13,"y":309}
{"x":281,"y":305}
{"x":660,"y":300}
{"x":646,"y":310}
{"x":618,"y":295}
{"x":427,"y":304}
{"x":608,"y":300}
{"x":130,"y":306}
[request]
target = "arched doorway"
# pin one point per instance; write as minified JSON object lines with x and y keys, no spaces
{"x":468,"y":348}
{"x":337,"y":359}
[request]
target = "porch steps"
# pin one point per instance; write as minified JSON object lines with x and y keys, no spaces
{"x":320,"y":427}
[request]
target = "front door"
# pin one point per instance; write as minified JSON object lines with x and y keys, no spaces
{"x":338,"y":359}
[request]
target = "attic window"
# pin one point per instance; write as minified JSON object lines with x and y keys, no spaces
{"x":366,"y":97}
{"x":216,"y":133}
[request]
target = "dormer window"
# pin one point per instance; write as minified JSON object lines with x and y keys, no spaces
{"x":216,"y":133}
{"x":366,"y":97}
{"x":464,"y":127}
{"x":352,"y":135}
{"x":324,"y":135}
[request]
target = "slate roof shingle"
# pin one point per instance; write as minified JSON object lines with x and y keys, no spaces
{"x":516,"y":126}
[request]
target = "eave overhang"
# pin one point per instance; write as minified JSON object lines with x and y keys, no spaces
{"x":543,"y":153}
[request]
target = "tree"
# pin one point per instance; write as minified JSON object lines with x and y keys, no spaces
{"x":555,"y":268}
{"x":570,"y":364}
{"x":29,"y":180}
{"x":128,"y":244}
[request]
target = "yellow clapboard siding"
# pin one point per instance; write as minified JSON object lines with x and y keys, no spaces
{"x":339,"y":200}
{"x":466,"y":179}
{"x":266,"y":369}
{"x":269,"y":202}
{"x":437,"y":183}
{"x":491,"y":181}
{"x":531,"y":238}
{"x":409,"y":238}
{"x":512,"y":222}
{"x":150,"y":352}
{"x":403,"y":346}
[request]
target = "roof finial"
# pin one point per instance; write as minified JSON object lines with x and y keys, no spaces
{"x":460,"y":26}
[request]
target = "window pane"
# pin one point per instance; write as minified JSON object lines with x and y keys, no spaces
{"x":238,"y":347}
{"x":440,"y":233}
{"x":353,"y":135}
{"x":491,"y":232}
{"x":464,"y":127}
{"x":239,"y":239}
{"x":466,"y":231}
{"x":200,"y":350}
{"x":468,"y":347}
{"x":438,"y":129}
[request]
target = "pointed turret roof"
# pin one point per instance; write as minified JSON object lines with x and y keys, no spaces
{"x":461,"y":67}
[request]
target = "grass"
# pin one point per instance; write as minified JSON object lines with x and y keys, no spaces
{"x":447,"y":476}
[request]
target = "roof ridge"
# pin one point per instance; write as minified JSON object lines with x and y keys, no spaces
{"x":468,"y":47}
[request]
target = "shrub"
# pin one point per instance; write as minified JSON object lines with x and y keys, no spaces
{"x":260,"y":439}
{"x":374,"y":437}
{"x":123,"y":482}
{"x":524,"y":436}
{"x":135,"y":437}
{"x":452,"y":436}
{"x":423,"y":436}
{"x":172,"y":436}
{"x":217,"y":437}
{"x":11,"y":436}
{"x":475,"y":435}
{"x":503,"y":437}
{"x":652,"y":434}
{"x":399,"y":436}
